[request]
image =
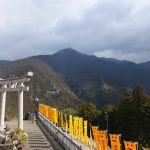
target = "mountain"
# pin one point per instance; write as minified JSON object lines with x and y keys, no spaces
{"x":114,"y":60}
{"x":146,"y":65}
{"x":45,"y":85}
{"x":60,"y":79}
{"x":98,"y":80}
{"x":4,"y":61}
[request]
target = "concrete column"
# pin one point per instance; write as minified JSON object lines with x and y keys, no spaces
{"x":2,"y":113}
{"x":20,"y":109}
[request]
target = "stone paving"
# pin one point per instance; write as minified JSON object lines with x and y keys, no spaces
{"x":37,"y":140}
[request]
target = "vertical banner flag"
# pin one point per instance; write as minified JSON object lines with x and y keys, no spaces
{"x":65,"y":122}
{"x":55,"y":115}
{"x":85,"y":133}
{"x":115,"y":141}
{"x":70,"y":125}
{"x":91,"y":146}
{"x":76,"y":127}
{"x":130,"y":145}
{"x":66,"y":126}
{"x":49,"y":113}
{"x":43,"y":110}
{"x":95,"y":135}
{"x":46,"y":111}
{"x":80,"y":129}
{"x":102,"y":138}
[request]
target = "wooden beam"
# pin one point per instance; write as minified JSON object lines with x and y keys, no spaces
{"x":25,"y":88}
{"x":16,"y":79}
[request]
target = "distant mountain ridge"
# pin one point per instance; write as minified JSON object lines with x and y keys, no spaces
{"x":87,"y":75}
{"x":98,"y":80}
{"x":4,"y":61}
{"x":115,"y":60}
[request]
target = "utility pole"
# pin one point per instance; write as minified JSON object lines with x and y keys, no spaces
{"x":106,"y":118}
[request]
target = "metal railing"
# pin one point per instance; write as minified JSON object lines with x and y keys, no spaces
{"x":66,"y":141}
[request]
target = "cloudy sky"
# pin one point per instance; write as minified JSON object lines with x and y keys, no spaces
{"x":106,"y":28}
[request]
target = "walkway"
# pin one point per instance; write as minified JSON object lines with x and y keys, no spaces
{"x":37,"y":140}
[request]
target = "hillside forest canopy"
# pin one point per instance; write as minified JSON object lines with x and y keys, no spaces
{"x":131,"y":117}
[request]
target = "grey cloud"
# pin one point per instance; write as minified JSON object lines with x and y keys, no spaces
{"x":100,"y":27}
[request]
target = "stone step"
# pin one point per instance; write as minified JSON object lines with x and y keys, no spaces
{"x":33,"y":137}
{"x":40,"y":149}
{"x":38,"y":143}
{"x":35,"y":140}
{"x":39,"y":146}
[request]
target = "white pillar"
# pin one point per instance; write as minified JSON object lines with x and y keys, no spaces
{"x":20,"y":109}
{"x":2,"y":113}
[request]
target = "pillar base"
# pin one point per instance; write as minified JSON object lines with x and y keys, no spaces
{"x":2,"y":128}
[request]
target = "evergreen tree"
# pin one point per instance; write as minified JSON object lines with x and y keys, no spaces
{"x":133,"y":116}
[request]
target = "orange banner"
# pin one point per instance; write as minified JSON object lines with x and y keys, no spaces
{"x":95,"y":135}
{"x":115,"y":141}
{"x":130,"y":145}
{"x":102,"y":137}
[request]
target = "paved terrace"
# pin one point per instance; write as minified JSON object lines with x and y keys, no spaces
{"x":37,"y":140}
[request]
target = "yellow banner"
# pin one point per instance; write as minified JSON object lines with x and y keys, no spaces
{"x":76,"y":126}
{"x":55,"y":116}
{"x":130,"y":145}
{"x":66,"y":126}
{"x":80,"y":129}
{"x":70,"y":125}
{"x":85,"y":133}
{"x":46,"y":111}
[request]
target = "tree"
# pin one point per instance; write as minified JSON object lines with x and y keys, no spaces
{"x":69,"y":111}
{"x":89,"y":112}
{"x":133,"y":115}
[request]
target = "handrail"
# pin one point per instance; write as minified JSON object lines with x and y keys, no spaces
{"x":66,"y":142}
